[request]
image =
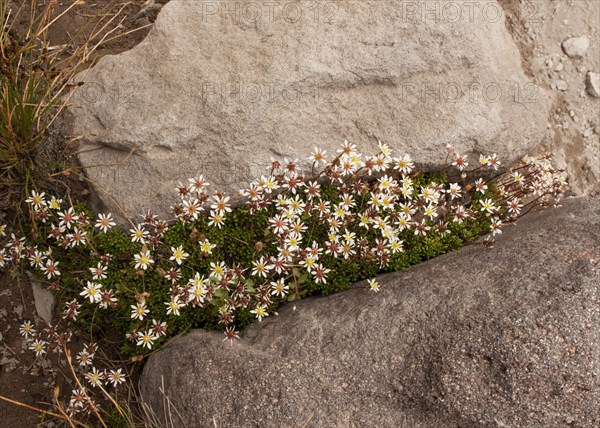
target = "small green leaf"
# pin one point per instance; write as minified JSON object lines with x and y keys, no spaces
{"x":221,"y":293}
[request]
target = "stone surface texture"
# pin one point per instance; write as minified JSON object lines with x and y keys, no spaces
{"x":43,"y":299}
{"x":220,"y":93}
{"x":593,"y":83}
{"x":576,"y":46}
{"x":482,"y":337}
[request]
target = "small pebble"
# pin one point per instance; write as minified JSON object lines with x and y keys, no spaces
{"x":576,"y":47}
{"x":561,"y":85}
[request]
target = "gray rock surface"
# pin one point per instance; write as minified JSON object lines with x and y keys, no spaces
{"x":500,"y":337}
{"x":592,"y":83}
{"x":44,"y":300}
{"x":576,"y":47}
{"x":220,"y":93}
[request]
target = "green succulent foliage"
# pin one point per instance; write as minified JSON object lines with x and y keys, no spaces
{"x":243,"y":238}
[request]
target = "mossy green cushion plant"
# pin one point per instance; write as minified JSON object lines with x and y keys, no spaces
{"x":224,"y":262}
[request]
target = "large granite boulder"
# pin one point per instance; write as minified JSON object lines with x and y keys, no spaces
{"x":483,"y":337}
{"x":220,"y":87}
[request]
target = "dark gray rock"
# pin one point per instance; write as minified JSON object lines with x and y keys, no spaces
{"x":500,"y":337}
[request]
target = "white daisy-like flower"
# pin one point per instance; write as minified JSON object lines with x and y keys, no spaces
{"x":179,"y":255}
{"x":105,"y":222}
{"x":92,"y":292}
{"x":143,"y":260}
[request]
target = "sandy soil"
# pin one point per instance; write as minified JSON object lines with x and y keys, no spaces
{"x":538,"y":28}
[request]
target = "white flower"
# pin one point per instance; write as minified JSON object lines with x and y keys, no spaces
{"x":231,"y":334}
{"x":268,"y":184}
{"x":514,"y":206}
{"x":454,"y":191}
{"x":320,"y":273}
{"x":139,"y":311}
{"x":386,"y":183}
{"x":217,"y":270}
{"x":98,"y":272}
{"x":78,"y":399}
{"x":159,"y":328}
{"x":373,"y":285}
{"x":384,"y":149}
{"x":143,"y":260}
{"x":496,"y":226}
{"x":279,"y":288}
{"x":192,"y":208}
{"x":296,"y":205}
{"x":261,"y":267}
{"x":308,"y":262}
{"x":39,"y":346}
{"x":178,"y":254}
{"x":95,"y":377}
{"x":27,"y":329}
{"x":396,"y":246}
{"x":139,"y":234}
{"x":37,"y":259}
{"x":260,"y":311}
{"x":92,"y":292}
{"x":488,"y":206}
{"x":173,"y":306}
{"x":431,"y":211}
{"x":198,"y":183}
{"x":146,"y":339}
{"x":85,"y":358}
{"x":197,"y":293}
{"x":105,"y":222}
{"x":36,"y":199}
{"x":405,"y":165}
{"x":429,"y":194}
{"x":206,"y":247}
{"x":216,"y":219}
{"x":51,"y":268}
{"x":422,"y":228}
{"x":115,"y":377}
{"x":292,"y":242}
{"x":460,"y":162}
{"x":55,"y":203}
{"x":221,"y":204}
{"x":481,"y":186}
{"x":347,"y":148}
{"x":518,"y":177}
{"x":67,"y":218}
{"x":494,"y":162}
{"x":278,"y":224}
